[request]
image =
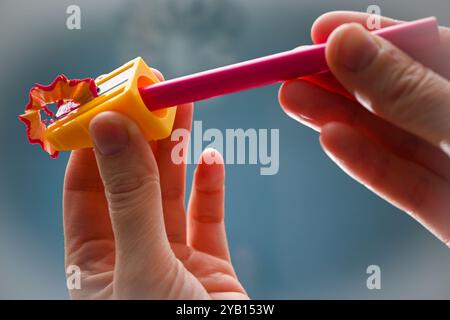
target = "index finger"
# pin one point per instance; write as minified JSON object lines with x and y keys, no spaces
{"x":436,"y":59}
{"x":173,"y":175}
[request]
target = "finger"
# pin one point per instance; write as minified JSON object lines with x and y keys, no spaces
{"x":390,"y":84}
{"x":130,"y":177}
{"x":410,"y":187}
{"x":329,"y":82}
{"x":315,"y":107}
{"x":158,"y":74}
{"x":86,"y":219}
{"x":312,"y":105}
{"x":437,"y":59}
{"x":320,"y":31}
{"x":326,"y":23}
{"x":173,"y":175}
{"x":206,"y":230}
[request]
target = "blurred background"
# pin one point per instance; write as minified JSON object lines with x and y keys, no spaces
{"x":308,"y":232}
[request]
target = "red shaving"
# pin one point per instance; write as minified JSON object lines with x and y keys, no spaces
{"x":60,"y":91}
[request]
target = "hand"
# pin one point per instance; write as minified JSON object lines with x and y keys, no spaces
{"x":125,"y":223}
{"x":399,"y":144}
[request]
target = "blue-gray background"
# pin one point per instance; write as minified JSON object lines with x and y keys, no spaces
{"x":308,"y":232}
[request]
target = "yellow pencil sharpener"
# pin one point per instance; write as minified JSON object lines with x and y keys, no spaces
{"x":117,"y":91}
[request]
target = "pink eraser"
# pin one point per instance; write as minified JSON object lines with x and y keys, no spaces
{"x":301,"y":62}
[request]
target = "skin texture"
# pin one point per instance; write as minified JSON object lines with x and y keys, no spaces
{"x":395,"y":140}
{"x":125,"y":222}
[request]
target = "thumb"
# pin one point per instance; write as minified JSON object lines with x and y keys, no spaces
{"x":131,"y":179}
{"x":390,"y":84}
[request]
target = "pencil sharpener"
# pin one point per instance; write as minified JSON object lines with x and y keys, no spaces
{"x":117,"y":91}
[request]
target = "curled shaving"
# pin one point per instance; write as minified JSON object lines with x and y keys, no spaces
{"x":60,"y":91}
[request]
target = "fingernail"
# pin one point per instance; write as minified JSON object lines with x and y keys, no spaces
{"x":109,"y":133}
{"x":357,"y":48}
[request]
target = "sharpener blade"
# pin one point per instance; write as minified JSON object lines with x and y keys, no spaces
{"x":102,"y":88}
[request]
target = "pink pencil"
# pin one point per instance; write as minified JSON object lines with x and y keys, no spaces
{"x":409,"y":37}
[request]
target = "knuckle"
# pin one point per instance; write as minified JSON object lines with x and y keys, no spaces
{"x":209,"y":217}
{"x":173,"y":193}
{"x":124,"y":191}
{"x":125,"y":182}
{"x":407,"y":85}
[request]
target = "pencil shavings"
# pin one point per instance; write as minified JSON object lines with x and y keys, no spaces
{"x":60,"y":92}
